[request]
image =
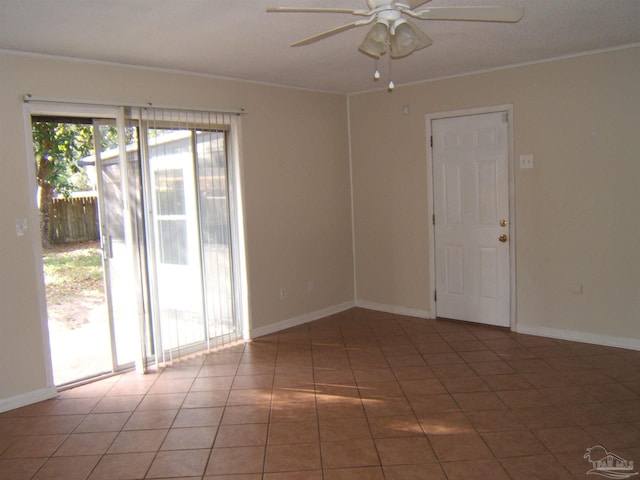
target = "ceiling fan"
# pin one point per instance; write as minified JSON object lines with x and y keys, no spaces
{"x":393,"y":32}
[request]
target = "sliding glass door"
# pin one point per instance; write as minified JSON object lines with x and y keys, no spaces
{"x":122,"y":237}
{"x":189,"y":232}
{"x":215,"y":221}
{"x":166,"y":232}
{"x":176,"y":245}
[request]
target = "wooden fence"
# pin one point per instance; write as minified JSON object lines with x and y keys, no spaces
{"x":74,"y":220}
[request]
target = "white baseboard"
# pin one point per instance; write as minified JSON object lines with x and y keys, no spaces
{"x":584,"y":337}
{"x":28,"y":398}
{"x":300,"y":320}
{"x":409,"y":312}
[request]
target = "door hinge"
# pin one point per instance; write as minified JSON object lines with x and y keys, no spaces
{"x":505,"y":119}
{"x":433,"y":218}
{"x":431,"y":141}
{"x":435,"y":295}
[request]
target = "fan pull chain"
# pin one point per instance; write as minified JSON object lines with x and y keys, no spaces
{"x":376,"y":73}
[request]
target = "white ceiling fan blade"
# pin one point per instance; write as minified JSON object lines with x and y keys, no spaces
{"x":474,"y":14}
{"x":317,"y":10}
{"x":328,"y":33}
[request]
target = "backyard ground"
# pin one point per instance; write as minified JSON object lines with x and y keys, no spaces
{"x":77,"y":313}
{"x":74,"y":282}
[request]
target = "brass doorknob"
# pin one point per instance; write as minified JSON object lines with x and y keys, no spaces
{"x":503,"y":223}
{"x":503,"y":238}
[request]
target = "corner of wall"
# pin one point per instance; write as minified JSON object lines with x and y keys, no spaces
{"x":300,"y":320}
{"x":395,"y":309}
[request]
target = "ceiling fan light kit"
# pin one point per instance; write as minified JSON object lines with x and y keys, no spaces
{"x":376,"y":40}
{"x":407,"y":38}
{"x":392,"y":33}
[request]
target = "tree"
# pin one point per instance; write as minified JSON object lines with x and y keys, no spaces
{"x":57,"y":147}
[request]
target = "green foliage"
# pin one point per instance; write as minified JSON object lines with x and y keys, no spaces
{"x":58,"y":147}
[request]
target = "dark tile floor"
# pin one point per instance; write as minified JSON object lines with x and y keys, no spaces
{"x":358,"y":395}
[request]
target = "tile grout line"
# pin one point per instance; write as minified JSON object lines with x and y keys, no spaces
{"x":315,"y":403}
{"x":224,"y":408}
{"x":604,"y":377}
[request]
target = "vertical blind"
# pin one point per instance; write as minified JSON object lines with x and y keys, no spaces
{"x":189,"y":225}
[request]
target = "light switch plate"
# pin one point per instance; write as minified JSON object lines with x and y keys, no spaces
{"x":21,"y":226}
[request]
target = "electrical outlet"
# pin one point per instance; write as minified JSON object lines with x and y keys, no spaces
{"x":526,"y":161}
{"x":283,"y":293}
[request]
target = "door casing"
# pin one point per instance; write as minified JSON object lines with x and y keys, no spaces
{"x":508,"y":109}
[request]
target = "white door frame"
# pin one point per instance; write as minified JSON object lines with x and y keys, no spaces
{"x":508,"y":109}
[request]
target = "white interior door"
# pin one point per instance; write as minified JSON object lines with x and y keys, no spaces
{"x":471,"y":217}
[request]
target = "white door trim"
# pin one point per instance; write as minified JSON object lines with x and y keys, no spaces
{"x":508,"y":109}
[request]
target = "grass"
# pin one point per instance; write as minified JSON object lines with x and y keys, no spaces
{"x":72,"y":271}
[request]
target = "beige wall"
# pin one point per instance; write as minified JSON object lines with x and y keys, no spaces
{"x":577,"y":210}
{"x":296,"y":194}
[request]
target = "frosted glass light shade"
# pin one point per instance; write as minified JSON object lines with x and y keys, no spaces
{"x":407,"y":38}
{"x":376,"y":40}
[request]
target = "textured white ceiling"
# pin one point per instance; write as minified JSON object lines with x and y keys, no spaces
{"x":239,"y":39}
